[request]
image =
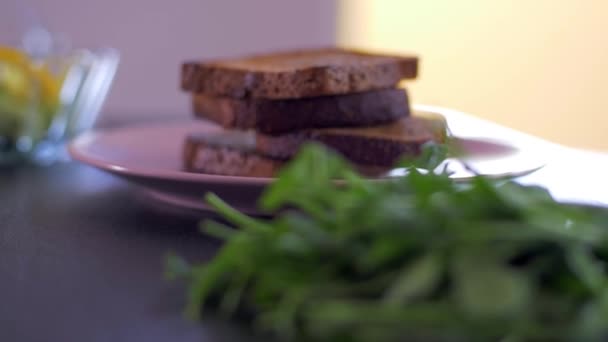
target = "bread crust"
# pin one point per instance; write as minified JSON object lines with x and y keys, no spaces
{"x":298,"y":74}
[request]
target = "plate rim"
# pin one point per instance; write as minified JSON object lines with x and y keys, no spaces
{"x":78,"y":152}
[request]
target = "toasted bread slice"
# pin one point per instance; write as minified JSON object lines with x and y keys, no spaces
{"x":380,"y":145}
{"x":202,"y":157}
{"x":281,"y":116}
{"x":298,"y":74}
{"x":230,"y":153}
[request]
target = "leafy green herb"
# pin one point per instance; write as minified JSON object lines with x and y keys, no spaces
{"x":419,"y":257}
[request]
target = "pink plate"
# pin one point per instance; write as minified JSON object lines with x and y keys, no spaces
{"x":149,"y":155}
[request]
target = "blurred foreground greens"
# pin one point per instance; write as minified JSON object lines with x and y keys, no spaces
{"x":414,"y":258}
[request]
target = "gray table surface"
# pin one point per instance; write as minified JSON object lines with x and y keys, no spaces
{"x":81,"y":259}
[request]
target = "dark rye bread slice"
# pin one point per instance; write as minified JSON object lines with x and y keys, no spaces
{"x":201,"y":157}
{"x":281,"y":116}
{"x":298,"y":74}
{"x":379,"y":145}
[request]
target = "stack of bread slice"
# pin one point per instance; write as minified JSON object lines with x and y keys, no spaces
{"x":271,"y":105}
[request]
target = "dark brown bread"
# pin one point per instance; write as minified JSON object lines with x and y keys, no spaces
{"x":372,"y":150}
{"x":379,"y":145}
{"x":229,"y":153}
{"x":200,"y":157}
{"x":281,"y":116}
{"x":298,"y":74}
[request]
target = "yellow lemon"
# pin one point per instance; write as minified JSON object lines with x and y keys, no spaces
{"x":25,"y":82}
{"x":14,"y":80}
{"x":21,"y":77}
{"x":13,"y":56}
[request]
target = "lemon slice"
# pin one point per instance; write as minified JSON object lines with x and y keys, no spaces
{"x":49,"y":83}
{"x":26,"y":88}
{"x":21,"y":78}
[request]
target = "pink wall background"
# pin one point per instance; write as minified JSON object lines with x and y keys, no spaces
{"x":154,"y":36}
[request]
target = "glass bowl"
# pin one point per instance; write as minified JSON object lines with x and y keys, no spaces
{"x":45,"y":100}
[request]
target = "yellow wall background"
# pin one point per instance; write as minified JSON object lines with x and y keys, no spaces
{"x":540,"y":66}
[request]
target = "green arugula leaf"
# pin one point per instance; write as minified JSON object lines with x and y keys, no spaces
{"x":485,"y":288}
{"x":419,"y":279}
